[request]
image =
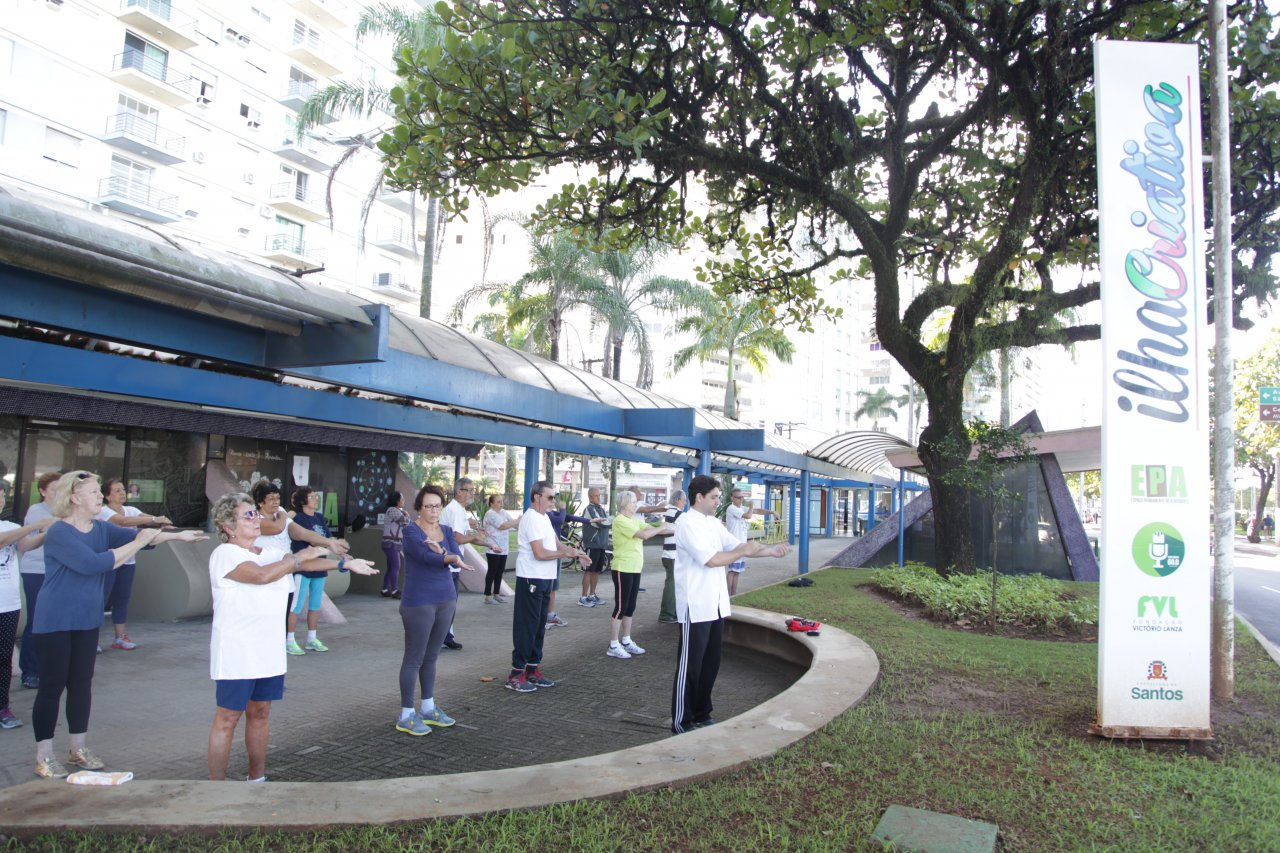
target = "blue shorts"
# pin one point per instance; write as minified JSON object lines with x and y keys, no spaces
{"x":235,"y":694}
{"x":738,"y":566}
{"x":310,"y":591}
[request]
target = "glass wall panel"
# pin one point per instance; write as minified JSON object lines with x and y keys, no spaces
{"x":67,"y":447}
{"x":251,"y":459}
{"x":10,"y":433}
{"x":166,"y":475}
{"x":325,"y":472}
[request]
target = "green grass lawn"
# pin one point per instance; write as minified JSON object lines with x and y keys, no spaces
{"x":984,"y":727}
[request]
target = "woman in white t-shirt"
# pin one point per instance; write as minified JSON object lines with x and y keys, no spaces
{"x":497,"y":521}
{"x":119,"y":588}
{"x":250,"y":585}
{"x":14,"y":540}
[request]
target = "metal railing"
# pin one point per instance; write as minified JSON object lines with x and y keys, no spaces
{"x":393,"y":281}
{"x":300,"y":89}
{"x":134,"y":125}
{"x":397,"y":234}
{"x":290,"y":243}
{"x":162,"y":9}
{"x":155,"y":68}
{"x":137,"y":192}
{"x":289,"y":191}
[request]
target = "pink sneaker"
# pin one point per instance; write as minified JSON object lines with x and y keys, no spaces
{"x":124,"y":643}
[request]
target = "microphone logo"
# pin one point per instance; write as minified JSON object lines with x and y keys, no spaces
{"x":1159,"y":549}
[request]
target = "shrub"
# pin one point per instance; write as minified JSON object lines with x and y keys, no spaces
{"x":1032,"y":602}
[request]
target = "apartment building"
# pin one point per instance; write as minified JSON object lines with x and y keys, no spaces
{"x":180,"y":116}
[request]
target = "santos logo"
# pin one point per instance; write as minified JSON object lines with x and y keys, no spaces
{"x":1158,"y":483}
{"x":1157,"y":670}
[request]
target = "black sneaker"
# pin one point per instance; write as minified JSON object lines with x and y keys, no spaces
{"x":453,"y":644}
{"x":31,"y":682}
{"x":703,"y":724}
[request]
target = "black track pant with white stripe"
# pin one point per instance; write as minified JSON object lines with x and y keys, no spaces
{"x":698,"y":663}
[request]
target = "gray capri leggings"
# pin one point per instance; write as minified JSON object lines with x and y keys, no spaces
{"x":425,"y":628}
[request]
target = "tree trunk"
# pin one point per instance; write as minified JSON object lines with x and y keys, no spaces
{"x":1006,"y":382}
{"x":953,"y":538}
{"x":1266,"y":478}
{"x":554,"y":322}
{"x":509,"y":485}
{"x":617,"y":357}
{"x":995,"y":565}
{"x":429,"y":258}
{"x":730,"y":398}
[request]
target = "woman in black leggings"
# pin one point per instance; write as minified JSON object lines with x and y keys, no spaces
{"x":496,"y":524}
{"x":79,"y":553}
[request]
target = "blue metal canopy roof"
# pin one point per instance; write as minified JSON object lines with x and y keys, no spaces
{"x":173,"y":321}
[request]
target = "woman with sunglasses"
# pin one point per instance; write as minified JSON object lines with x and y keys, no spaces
{"x":426,"y":609}
{"x":247,"y":661}
{"x":79,"y":553}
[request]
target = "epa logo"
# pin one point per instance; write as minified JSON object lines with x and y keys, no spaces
{"x":1157,"y":481}
{"x":1159,"y":549}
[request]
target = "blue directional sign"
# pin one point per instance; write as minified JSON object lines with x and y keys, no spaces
{"x":1269,"y":404}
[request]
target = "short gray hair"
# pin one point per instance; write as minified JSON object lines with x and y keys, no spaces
{"x":224,"y":513}
{"x":460,"y":483}
{"x":625,"y":499}
{"x":677,"y":496}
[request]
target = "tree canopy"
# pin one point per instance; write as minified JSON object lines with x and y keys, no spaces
{"x":804,"y":141}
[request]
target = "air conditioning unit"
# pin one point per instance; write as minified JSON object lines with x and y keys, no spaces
{"x":54,"y":4}
{"x":243,"y":40}
{"x":203,"y":101}
{"x":249,"y":177}
{"x":383,"y":279}
{"x":232,"y":34}
{"x":265,"y":211}
{"x":197,"y":156}
{"x":192,"y":214}
{"x":253,"y":124}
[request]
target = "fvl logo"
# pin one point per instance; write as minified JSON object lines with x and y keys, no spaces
{"x":1158,"y":481}
{"x":1158,"y":603}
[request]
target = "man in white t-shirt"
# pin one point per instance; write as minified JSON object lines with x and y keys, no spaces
{"x":536,"y":562}
{"x":466,"y":529}
{"x":703,"y":548}
{"x":735,"y":518}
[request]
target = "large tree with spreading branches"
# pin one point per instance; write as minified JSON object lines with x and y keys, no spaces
{"x":806,"y":140}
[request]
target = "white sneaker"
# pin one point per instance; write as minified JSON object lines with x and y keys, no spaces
{"x":630,"y":646}
{"x":585,"y":601}
{"x":618,"y":652}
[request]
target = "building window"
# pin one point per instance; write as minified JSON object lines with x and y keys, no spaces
{"x":4,"y":118}
{"x":879,"y":380}
{"x":304,"y":34}
{"x":146,"y":57}
{"x":251,"y":115}
{"x":875,"y":346}
{"x":261,"y":14}
{"x":61,"y":148}
{"x":206,"y":82}
{"x":301,"y":84}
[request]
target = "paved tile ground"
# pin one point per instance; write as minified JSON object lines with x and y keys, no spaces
{"x":152,"y":706}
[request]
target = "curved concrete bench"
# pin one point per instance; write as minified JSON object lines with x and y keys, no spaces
{"x":841,"y":671}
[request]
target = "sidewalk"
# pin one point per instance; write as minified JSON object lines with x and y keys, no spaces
{"x":152,"y":706}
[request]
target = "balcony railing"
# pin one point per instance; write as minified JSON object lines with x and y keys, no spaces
{"x":161,"y":10}
{"x":300,"y":90}
{"x":145,"y":130}
{"x":138,"y":193}
{"x":157,"y":69}
{"x":289,"y":191}
{"x":391,"y":281}
{"x":291,"y":244}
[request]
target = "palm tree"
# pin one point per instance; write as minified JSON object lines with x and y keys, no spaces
{"x":631,"y":288}
{"x":733,"y":328}
{"x":366,"y":99}
{"x":876,"y":405}
{"x":559,"y":278}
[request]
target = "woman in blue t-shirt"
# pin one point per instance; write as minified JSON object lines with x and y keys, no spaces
{"x":306,"y":505}
{"x":79,"y":553}
{"x":430,"y":597}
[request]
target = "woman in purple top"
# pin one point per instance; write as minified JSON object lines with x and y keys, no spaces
{"x":79,"y":554}
{"x":426,"y":609}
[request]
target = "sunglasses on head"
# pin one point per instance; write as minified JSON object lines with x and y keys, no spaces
{"x":251,"y":514}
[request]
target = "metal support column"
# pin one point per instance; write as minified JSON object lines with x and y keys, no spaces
{"x":829,"y":521}
{"x":791,"y":514}
{"x":530,"y":473}
{"x":803,"y":559}
{"x":871,"y":508}
{"x":902,"y":485}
